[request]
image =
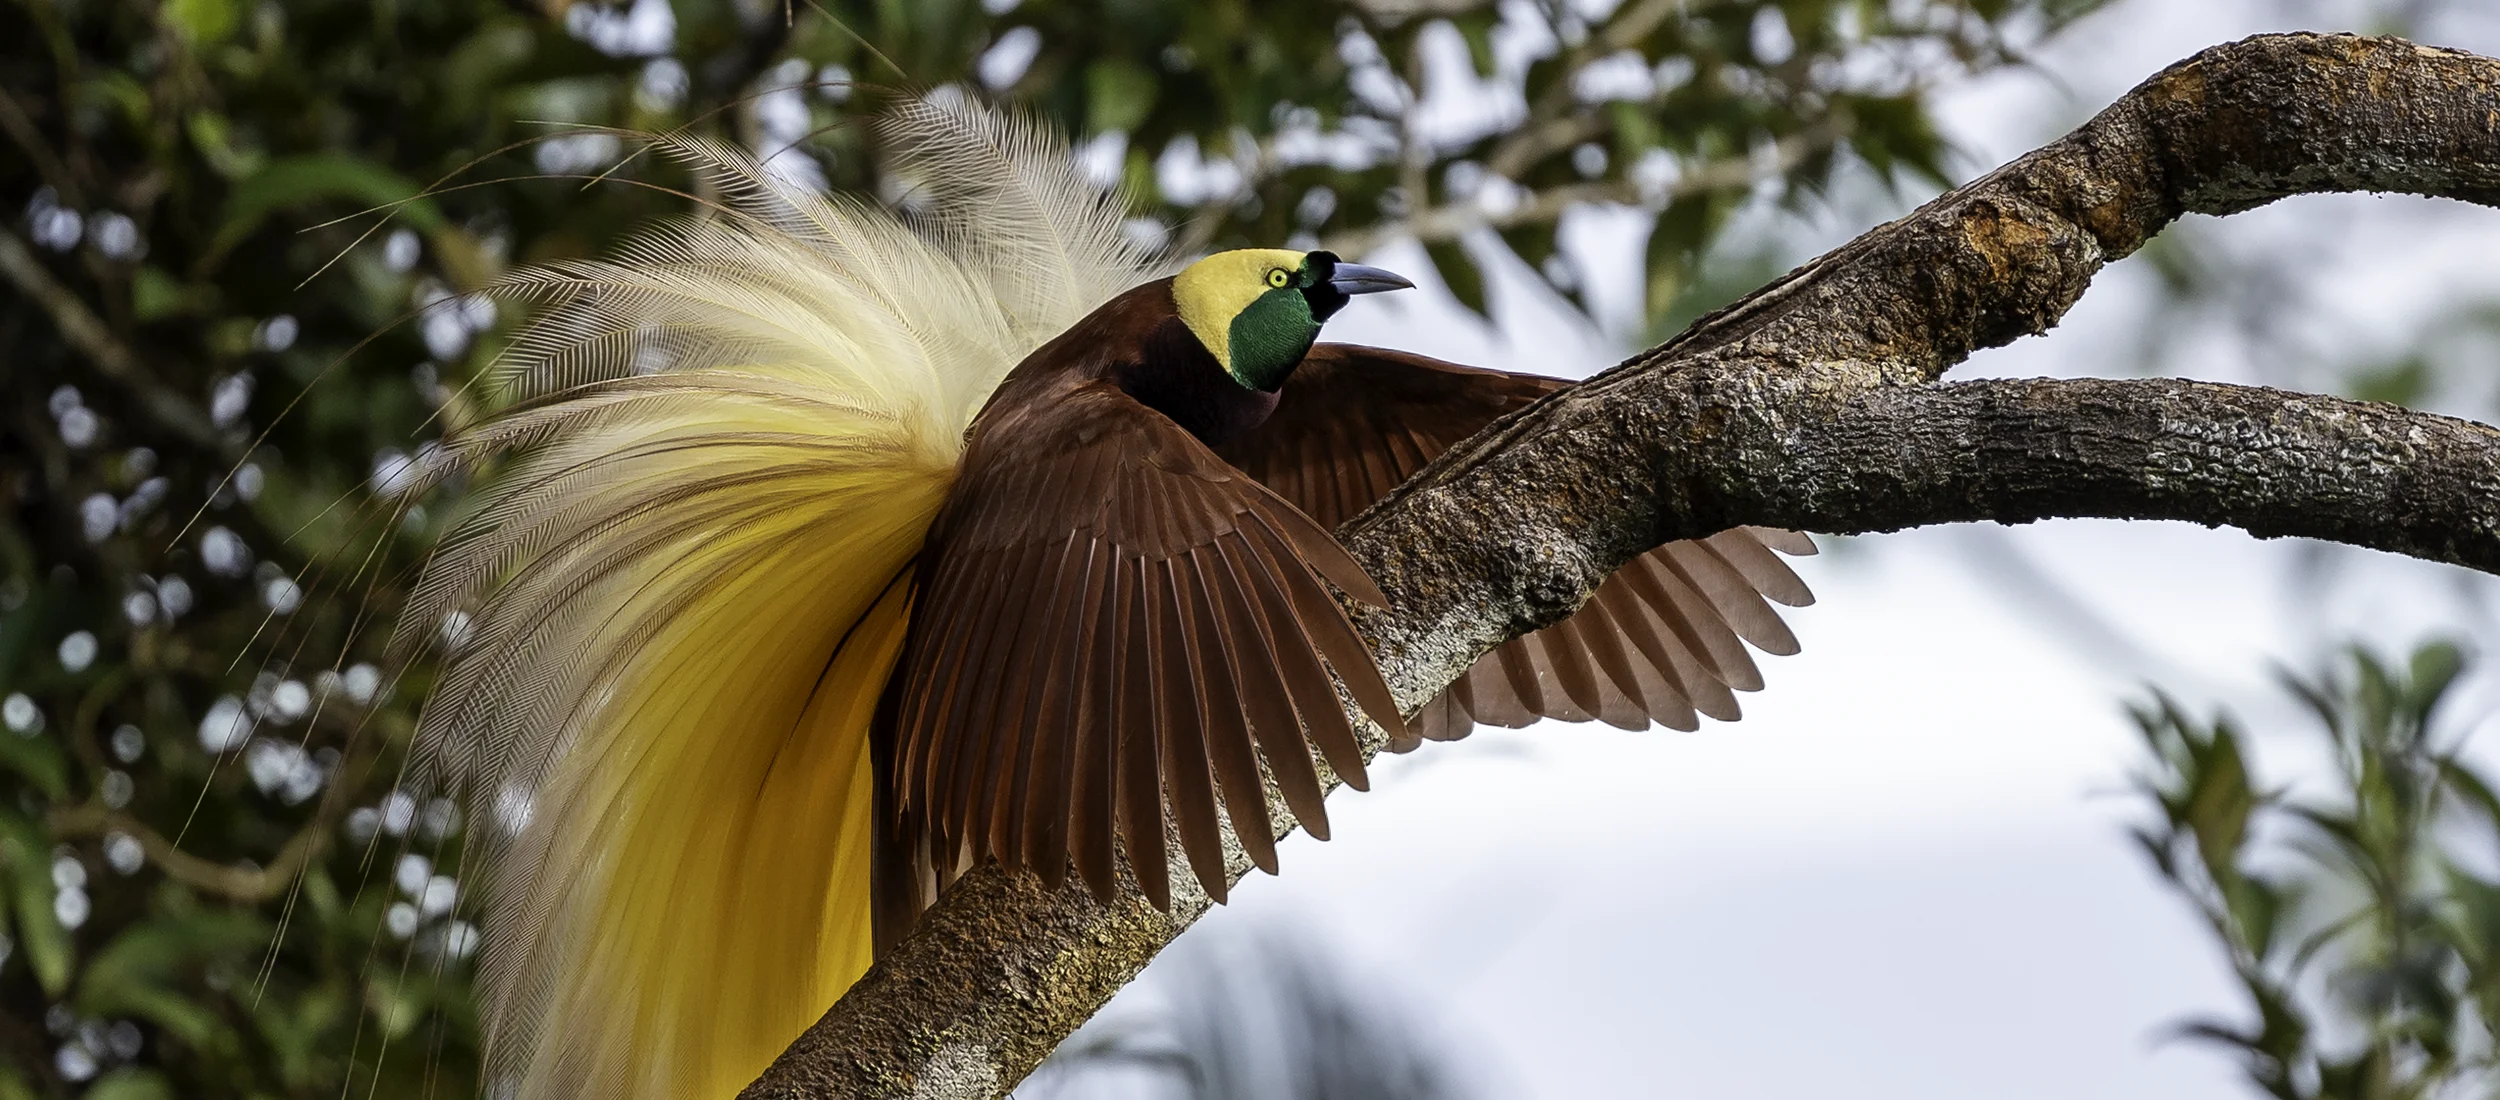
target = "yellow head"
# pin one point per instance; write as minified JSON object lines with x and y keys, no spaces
{"x":1258,"y":309}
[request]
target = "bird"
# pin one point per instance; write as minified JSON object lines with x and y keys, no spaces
{"x":822,"y":549}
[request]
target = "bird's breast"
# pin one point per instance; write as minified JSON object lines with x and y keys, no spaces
{"x":1176,"y":376}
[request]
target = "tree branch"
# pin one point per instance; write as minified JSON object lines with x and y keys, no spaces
{"x":83,"y":330}
{"x":1452,"y":220}
{"x":2271,"y":462}
{"x":1814,"y":404}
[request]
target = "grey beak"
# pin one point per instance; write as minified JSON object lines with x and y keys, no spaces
{"x":1362,"y":279}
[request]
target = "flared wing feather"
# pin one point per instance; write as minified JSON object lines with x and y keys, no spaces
{"x":1115,"y":627}
{"x":1661,"y":641}
{"x":685,"y":581}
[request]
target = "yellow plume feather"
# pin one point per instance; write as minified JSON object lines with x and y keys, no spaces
{"x":686,"y":591}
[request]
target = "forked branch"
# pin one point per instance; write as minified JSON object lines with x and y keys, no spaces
{"x":1815,"y":404}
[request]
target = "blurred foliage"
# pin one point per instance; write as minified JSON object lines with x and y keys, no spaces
{"x":210,"y":884}
{"x":2362,"y":921}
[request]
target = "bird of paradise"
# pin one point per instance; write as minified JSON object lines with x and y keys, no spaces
{"x":829,"y":551}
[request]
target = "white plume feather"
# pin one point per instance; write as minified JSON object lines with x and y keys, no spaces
{"x":725,"y":444}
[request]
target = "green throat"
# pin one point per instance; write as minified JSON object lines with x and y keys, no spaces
{"x":1270,"y":337}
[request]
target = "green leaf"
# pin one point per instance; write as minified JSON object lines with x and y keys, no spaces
{"x":20,"y":629}
{"x":214,"y":138}
{"x":1119,"y":94}
{"x":2406,"y":381}
{"x":301,"y":180}
{"x":2435,"y":668}
{"x":2256,"y":907}
{"x":1681,"y":291}
{"x":1137,"y":173}
{"x":2220,"y":807}
{"x":1635,"y":128}
{"x":202,"y":23}
{"x":395,"y":1005}
{"x":138,"y":973}
{"x":1477,"y":28}
{"x":198,"y":1026}
{"x":486,"y":59}
{"x":1533,"y":243}
{"x":117,"y":91}
{"x":130,"y":1083}
{"x":29,"y":864}
{"x":39,"y":759}
{"x":155,"y":295}
{"x":466,"y":261}
{"x":231,"y":336}
{"x":1895,"y":136}
{"x":1458,"y":271}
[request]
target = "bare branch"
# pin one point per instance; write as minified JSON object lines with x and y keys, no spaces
{"x":246,"y":882}
{"x":1815,"y":404}
{"x":2274,"y":463}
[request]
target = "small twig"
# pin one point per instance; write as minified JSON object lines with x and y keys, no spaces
{"x":241,"y":882}
{"x":1452,"y":220}
{"x":83,"y":330}
{"x":22,"y":130}
{"x":1415,"y":155}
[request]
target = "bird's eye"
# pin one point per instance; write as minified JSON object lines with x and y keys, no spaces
{"x":1276,"y":277}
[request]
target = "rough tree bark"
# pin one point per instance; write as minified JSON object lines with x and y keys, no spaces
{"x":1815,"y":404}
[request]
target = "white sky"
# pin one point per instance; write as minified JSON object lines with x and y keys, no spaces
{"x":1904,"y":873}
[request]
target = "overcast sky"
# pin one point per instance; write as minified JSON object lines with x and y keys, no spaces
{"x":1905,"y":872}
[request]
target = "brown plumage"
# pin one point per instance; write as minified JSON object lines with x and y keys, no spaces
{"x":1124,"y":607}
{"x":1653,"y":644}
{"x":827,"y":551}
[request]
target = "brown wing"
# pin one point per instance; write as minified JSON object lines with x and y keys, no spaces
{"x":1111,"y":626}
{"x":1661,"y":640}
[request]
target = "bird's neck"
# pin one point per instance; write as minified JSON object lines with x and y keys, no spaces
{"x":1176,"y":376}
